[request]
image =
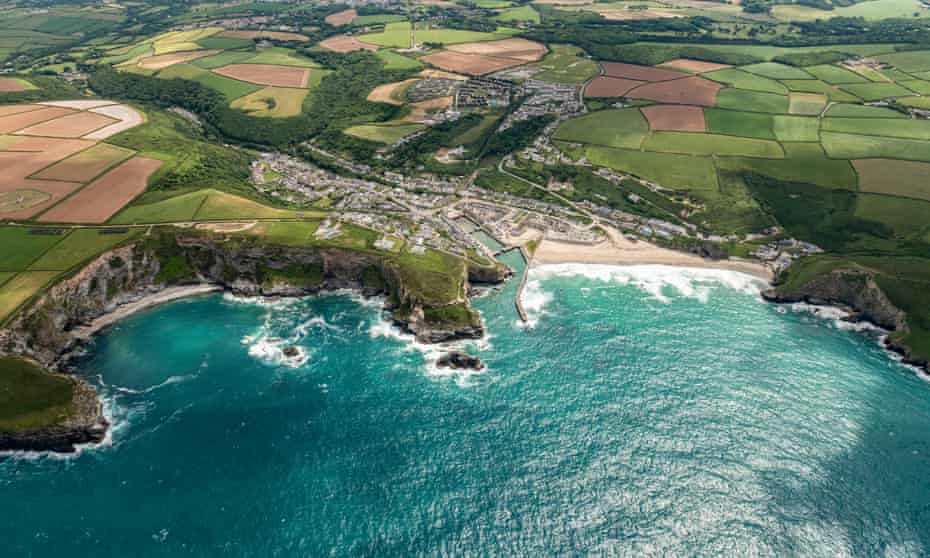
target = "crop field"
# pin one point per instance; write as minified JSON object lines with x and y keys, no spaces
{"x":222,"y":59}
{"x":69,"y":126}
{"x":693,"y":66}
{"x":603,"y":86}
{"x":281,"y":57}
{"x":87,"y":164}
{"x":806,"y":104}
{"x":266,"y":74}
{"x":220,"y":206}
{"x":564,"y":64}
{"x":862,"y":111}
{"x":273,"y":102}
{"x":21,"y":288}
{"x":102,"y":198}
{"x":174,"y":209}
{"x":682,"y":172}
{"x":687,"y":91}
{"x":230,"y":88}
{"x":909,"y":61}
{"x":522,"y":13}
{"x":344,"y":43}
{"x":834,"y":75}
{"x":752,"y":101}
{"x":796,"y":128}
{"x":675,"y":118}
{"x":162,"y":61}
{"x":745,"y":80}
{"x":387,"y":134}
{"x":181,"y":71}
{"x":736,"y":123}
{"x":916,"y":102}
{"x":394,"y":61}
{"x":10,"y":85}
{"x":79,"y":246}
{"x":391,"y":93}
{"x":344,"y":17}
{"x":877,"y":91}
{"x":774,"y":70}
{"x":471,"y":64}
{"x":712,"y":144}
{"x":624,"y":128}
{"x":254,"y":35}
{"x":853,"y":146}
{"x":640,"y":73}
{"x":907,"y":179}
{"x":19,"y":247}
{"x":909,"y":129}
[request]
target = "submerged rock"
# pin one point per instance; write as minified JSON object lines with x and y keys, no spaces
{"x":290,"y":351}
{"x":458,"y":360}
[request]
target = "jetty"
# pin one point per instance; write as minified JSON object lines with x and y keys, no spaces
{"x":518,"y":299}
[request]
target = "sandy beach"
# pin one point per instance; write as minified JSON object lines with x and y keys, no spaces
{"x":619,"y":250}
{"x":147,"y":301}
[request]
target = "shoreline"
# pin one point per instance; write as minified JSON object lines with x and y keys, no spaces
{"x":146,"y":301}
{"x":621,"y":251}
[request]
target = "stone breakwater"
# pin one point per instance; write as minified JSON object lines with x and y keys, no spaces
{"x":134,"y":275}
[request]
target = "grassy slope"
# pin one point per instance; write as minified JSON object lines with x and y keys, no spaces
{"x":30,"y":397}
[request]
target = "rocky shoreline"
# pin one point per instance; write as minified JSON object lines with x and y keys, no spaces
{"x":133,"y":277}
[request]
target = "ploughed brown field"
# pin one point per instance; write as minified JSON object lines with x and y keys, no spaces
{"x":694,"y":66}
{"x":641,"y":73}
{"x":69,"y":126}
{"x":276,"y":35}
{"x":603,"y":86}
{"x":16,"y":122}
{"x":27,"y":188}
{"x":385,"y":93}
{"x":344,"y":17}
{"x":7,"y":110}
{"x":343,"y":43}
{"x":11,"y":85}
{"x":518,"y":49}
{"x":688,"y":91}
{"x":472,"y":64}
{"x":162,"y":61}
{"x":86,"y":165}
{"x":675,"y":118}
{"x":266,"y":74}
{"x":102,"y":198}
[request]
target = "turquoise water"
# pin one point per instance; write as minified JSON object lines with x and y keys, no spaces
{"x":649,"y":412}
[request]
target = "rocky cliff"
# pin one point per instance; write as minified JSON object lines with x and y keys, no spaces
{"x":858,"y":291}
{"x":46,"y":329}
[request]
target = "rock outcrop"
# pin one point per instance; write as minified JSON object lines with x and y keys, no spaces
{"x":858,"y":291}
{"x":45,"y":330}
{"x":458,"y":360}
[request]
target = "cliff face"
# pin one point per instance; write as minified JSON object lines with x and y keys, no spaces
{"x":45,"y":330}
{"x":858,"y":291}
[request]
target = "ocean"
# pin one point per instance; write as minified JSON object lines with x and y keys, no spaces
{"x":645,"y":411}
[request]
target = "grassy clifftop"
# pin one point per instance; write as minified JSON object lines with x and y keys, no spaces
{"x":32,"y":398}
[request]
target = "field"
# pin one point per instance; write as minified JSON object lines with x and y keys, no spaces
{"x":835,"y":75}
{"x":31,"y":397}
{"x":711,"y":144}
{"x":174,"y":209}
{"x":275,"y":35}
{"x":694,"y":66}
{"x":69,"y":126}
{"x":281,"y":57}
{"x":603,"y":86}
{"x":523,"y":13}
{"x":745,"y":80}
{"x":398,"y":35}
{"x":220,"y":60}
{"x":796,"y":128}
{"x":675,"y":118}
{"x":736,"y":123}
{"x":774,"y":70}
{"x":230,"y":88}
{"x":564,"y":64}
{"x":266,"y":74}
{"x":687,"y":91}
{"x":273,"y":102}
{"x":752,"y":101}
{"x":911,"y":61}
{"x":344,"y":17}
{"x":909,"y":129}
{"x":102,"y":198}
{"x":87,"y":164}
{"x":223,"y":206}
{"x":9,"y":84}
{"x":343,"y":43}
{"x":806,"y":104}
{"x":21,"y":288}
{"x":682,"y":172}
{"x":19,"y":247}
{"x":876,"y":91}
{"x":472,"y":64}
{"x":163,"y":61}
{"x":394,"y":61}
{"x":78,"y":246}
{"x":851,"y":146}
{"x":897,"y":178}
{"x":640,"y":73}
{"x":391,"y":93}
{"x":862,"y":111}
{"x":382,"y":133}
{"x":624,"y":128}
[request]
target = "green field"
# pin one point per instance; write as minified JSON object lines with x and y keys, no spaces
{"x":523,"y":13}
{"x":682,"y":172}
{"x":745,"y":80}
{"x":774,"y":70}
{"x":21,"y":288}
{"x":834,"y":75}
{"x":182,"y":71}
{"x":897,"y":178}
{"x":909,"y":61}
{"x":916,"y":102}
{"x":272,"y":102}
{"x":876,"y":91}
{"x":365,"y":20}
{"x":394,"y":61}
{"x":222,"y":59}
{"x":907,"y":217}
{"x":383,"y":133}
{"x":282,"y":57}
{"x":711,"y":144}
{"x":850,"y":146}
{"x":909,"y":129}
{"x":230,"y":88}
{"x":797,"y":128}
{"x":806,"y":104}
{"x":220,"y":206}
{"x":917,"y":86}
{"x":754,"y":101}
{"x":31,"y":397}
{"x":735,"y":123}
{"x":565,"y":64}
{"x":809,"y":168}
{"x":397,"y":35}
{"x":175,"y":209}
{"x":19,"y":248}
{"x":623,"y":128}
{"x":79,"y":246}
{"x":862,"y":111}
{"x":870,"y":10}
